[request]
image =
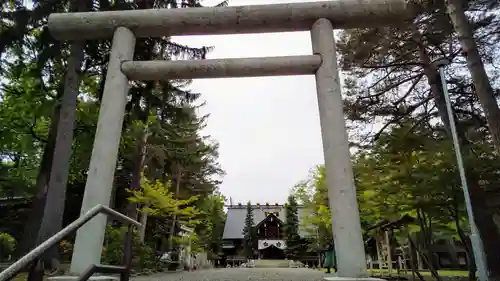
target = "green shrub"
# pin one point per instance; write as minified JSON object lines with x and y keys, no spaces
{"x":112,"y":251}
{"x":65,"y":250}
{"x":147,"y":258}
{"x":7,"y":245}
{"x":143,"y":258}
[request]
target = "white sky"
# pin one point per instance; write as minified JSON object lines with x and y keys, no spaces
{"x":268,"y":128}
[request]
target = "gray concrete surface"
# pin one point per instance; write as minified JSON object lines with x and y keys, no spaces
{"x":285,"y":17}
{"x":89,"y":238}
{"x":218,"y":68}
{"x":346,"y":224}
{"x":240,"y":274}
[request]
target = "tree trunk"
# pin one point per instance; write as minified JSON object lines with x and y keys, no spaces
{"x":427,"y":253}
{"x":434,"y":81}
{"x":413,"y":264}
{"x":467,"y":244}
{"x":136,"y":182}
{"x":174,"y":218}
{"x":139,"y":162}
{"x":42,"y":181}
{"x":142,"y":230}
{"x":56,"y":194}
{"x":137,"y":171}
{"x":476,"y":68}
{"x":488,"y":231}
{"x":487,"y":228}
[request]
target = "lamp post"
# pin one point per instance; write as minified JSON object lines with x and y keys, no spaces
{"x":477,"y":245}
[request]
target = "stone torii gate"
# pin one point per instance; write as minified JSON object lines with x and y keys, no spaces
{"x":320,"y":18}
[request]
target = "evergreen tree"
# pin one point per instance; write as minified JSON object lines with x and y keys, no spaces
{"x":249,"y":236}
{"x":403,"y":83}
{"x":211,"y":229}
{"x":292,"y":238}
{"x":161,"y":136}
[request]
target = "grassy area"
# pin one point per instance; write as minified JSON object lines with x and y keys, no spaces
{"x":23,"y":276}
{"x":455,"y":275}
{"x":446,"y":273}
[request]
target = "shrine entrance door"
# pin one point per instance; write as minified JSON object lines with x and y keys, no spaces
{"x":272,"y":253}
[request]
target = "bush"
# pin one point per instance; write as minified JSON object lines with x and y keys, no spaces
{"x":143,"y":256}
{"x":7,"y":245}
{"x":65,"y":250}
{"x":147,"y":259}
{"x":112,"y":251}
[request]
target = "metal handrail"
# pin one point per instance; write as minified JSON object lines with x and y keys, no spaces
{"x":34,"y":254}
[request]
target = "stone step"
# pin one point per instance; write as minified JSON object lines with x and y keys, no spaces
{"x":92,"y":278}
{"x":271,"y":263}
{"x":352,"y":279}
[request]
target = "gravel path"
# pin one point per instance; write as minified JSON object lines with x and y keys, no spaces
{"x":240,"y":274}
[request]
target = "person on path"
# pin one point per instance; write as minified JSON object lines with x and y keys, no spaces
{"x":330,"y":259}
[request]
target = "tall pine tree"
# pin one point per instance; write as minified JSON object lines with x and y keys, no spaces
{"x":249,"y":235}
{"x":292,"y":238}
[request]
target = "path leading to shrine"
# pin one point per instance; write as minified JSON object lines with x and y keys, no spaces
{"x":239,"y":274}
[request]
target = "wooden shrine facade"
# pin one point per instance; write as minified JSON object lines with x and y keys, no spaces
{"x":269,"y":223}
{"x":271,"y":228}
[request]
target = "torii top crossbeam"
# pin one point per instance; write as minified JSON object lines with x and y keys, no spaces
{"x":343,"y":14}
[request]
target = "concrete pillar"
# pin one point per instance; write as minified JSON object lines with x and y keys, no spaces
{"x":89,"y":238}
{"x":349,"y":246}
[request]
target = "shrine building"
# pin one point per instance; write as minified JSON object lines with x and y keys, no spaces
{"x":269,"y":221}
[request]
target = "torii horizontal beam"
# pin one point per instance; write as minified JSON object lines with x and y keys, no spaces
{"x":156,"y":70}
{"x":344,"y":14}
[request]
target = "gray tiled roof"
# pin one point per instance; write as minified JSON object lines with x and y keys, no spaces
{"x":235,"y":220}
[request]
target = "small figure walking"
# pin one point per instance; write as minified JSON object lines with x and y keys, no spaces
{"x":330,"y":260}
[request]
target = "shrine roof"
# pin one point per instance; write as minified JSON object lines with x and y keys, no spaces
{"x":235,"y":220}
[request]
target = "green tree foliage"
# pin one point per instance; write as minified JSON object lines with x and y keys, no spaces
{"x":156,"y":199}
{"x":410,"y":170}
{"x":249,"y":233}
{"x":112,"y":252}
{"x":7,"y":245}
{"x":464,"y":29}
{"x":292,"y":238}
{"x":417,"y":178}
{"x":212,"y":224}
{"x":391,"y":78}
{"x":313,"y":195}
{"x":405,"y":177}
{"x":161,"y":132}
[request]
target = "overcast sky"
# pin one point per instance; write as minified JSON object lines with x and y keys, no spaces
{"x":268,"y":128}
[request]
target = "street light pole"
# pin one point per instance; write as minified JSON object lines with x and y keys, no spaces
{"x":477,"y":245}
